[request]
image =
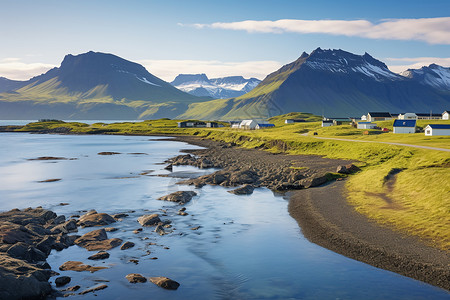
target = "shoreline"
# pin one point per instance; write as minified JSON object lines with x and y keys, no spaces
{"x":325,"y":218}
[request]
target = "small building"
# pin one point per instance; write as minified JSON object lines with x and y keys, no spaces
{"x":428,"y":116}
{"x":290,"y":121}
{"x":407,"y":116}
{"x":404,"y":126}
{"x":248,"y":124}
{"x":212,"y":124}
{"x":378,"y":116}
{"x":262,"y":126}
{"x":446,"y":115}
{"x":327,"y":123}
{"x":340,"y":121}
{"x":437,"y":129}
{"x":366,"y":125}
{"x":191,"y":124}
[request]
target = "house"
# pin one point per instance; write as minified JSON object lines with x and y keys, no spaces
{"x":340,"y":121}
{"x":235,"y":125}
{"x":366,"y":125}
{"x":262,"y":126}
{"x":326,"y":123}
{"x":445,"y":115}
{"x":290,"y":121}
{"x":428,"y":116}
{"x":437,"y":129}
{"x":212,"y":124}
{"x":363,"y":118}
{"x":407,"y":116}
{"x":378,"y":116}
{"x":248,"y":124}
{"x":404,"y":126}
{"x":191,"y":124}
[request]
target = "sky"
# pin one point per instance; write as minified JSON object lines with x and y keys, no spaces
{"x":220,"y":38}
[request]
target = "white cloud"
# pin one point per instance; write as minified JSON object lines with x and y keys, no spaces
{"x":14,"y":68}
{"x":398,"y":65}
{"x":430,"y":30}
{"x":169,"y":69}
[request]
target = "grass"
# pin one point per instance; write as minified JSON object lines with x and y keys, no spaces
{"x":417,"y":203}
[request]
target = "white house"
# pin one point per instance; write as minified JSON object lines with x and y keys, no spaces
{"x":404,"y":126}
{"x":248,"y":124}
{"x":437,"y":129}
{"x":407,"y":116}
{"x":363,"y":118}
{"x":445,"y":115}
{"x":366,"y":125}
{"x":326,"y":123}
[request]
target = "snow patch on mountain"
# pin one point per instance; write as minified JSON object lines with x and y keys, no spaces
{"x":433,"y":75}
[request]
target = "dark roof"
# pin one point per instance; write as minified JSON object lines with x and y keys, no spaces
{"x":427,"y":115}
{"x":439,"y":126}
{"x":266,"y":125}
{"x":405,"y":123}
{"x":327,"y":121}
{"x":446,"y":111}
{"x":380,"y":114}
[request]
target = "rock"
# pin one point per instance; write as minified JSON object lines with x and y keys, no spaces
{"x":182,"y":213}
{"x":127,"y":245}
{"x":69,"y":226}
{"x":165,"y":283}
{"x":242,"y":177}
{"x":46,"y":244}
{"x":59,"y":219}
{"x":181,"y":197}
{"x":137,"y":230}
{"x":93,"y":289}
{"x":135,"y":278}
{"x":169,"y":168}
{"x":97,"y":240}
{"x":205,"y":163}
{"x":313,"y":181}
{"x":108,"y":153}
{"x":135,"y":261}
{"x":347,"y":169}
{"x":160,"y":229}
{"x":111,"y":229}
{"x":63,"y":280}
{"x":196,"y":228}
{"x":20,"y":280}
{"x":72,"y":288}
{"x":119,"y":216}
{"x":99,"y":255}
{"x":246,"y":189}
{"x":149,"y":220}
{"x":95,"y":219}
{"x":49,"y":180}
{"x":78,"y":266}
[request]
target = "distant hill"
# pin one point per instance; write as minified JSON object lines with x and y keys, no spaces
{"x":93,"y":85}
{"x":435,"y":76}
{"x":225,"y":87}
{"x":329,"y":82}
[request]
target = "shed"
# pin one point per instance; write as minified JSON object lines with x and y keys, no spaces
{"x":437,"y":129}
{"x":327,"y":123}
{"x":378,"y":116}
{"x":407,"y":116}
{"x":261,"y":126}
{"x":248,"y":124}
{"x":366,"y":125}
{"x":445,"y":115}
{"x":404,"y":126}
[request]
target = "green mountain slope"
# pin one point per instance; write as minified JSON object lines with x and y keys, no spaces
{"x":95,"y":86}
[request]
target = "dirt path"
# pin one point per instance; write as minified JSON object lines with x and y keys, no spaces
{"x":396,"y":144}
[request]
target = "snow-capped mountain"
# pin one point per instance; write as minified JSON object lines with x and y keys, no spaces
{"x":335,"y":83}
{"x":433,"y":75}
{"x":226,"y":87}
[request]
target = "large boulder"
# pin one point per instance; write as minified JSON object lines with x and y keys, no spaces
{"x":313,"y":181}
{"x":93,"y":218}
{"x":135,"y":278}
{"x":181,"y":197}
{"x":97,"y":240}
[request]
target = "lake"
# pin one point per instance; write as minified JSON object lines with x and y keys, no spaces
{"x":247,"y":247}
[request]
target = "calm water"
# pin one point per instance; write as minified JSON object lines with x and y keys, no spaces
{"x":25,"y":122}
{"x":248,"y":247}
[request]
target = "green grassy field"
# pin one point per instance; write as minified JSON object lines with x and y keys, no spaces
{"x":416,"y":202}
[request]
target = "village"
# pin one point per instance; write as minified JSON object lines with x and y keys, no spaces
{"x":404,"y":123}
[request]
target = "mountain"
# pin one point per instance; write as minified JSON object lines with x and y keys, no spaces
{"x":433,"y":75}
{"x":10,"y":85}
{"x":94,"y":85}
{"x":327,"y":82}
{"x":225,"y":87}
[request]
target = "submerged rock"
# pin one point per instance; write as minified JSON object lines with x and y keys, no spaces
{"x":127,"y":245}
{"x":63,"y":280}
{"x":78,"y":266}
{"x":181,"y":197}
{"x":165,"y":283}
{"x":93,"y":289}
{"x":99,"y":255}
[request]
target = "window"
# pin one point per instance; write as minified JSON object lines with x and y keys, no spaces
{"x":428,"y":131}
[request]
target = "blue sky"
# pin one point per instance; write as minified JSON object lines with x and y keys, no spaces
{"x":163,"y":36}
